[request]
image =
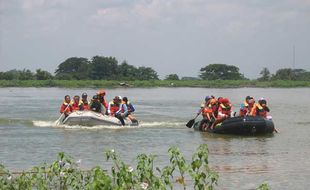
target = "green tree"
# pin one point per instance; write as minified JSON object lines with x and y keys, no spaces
{"x":172,"y":77}
{"x":305,"y":76}
{"x":284,"y":74}
{"x":127,"y":72}
{"x":10,"y":75}
{"x":73,"y":68}
{"x":265,"y":75}
{"x":220,"y":71}
{"x":103,"y":68}
{"x":25,"y":74}
{"x":146,"y":73}
{"x":43,"y":75}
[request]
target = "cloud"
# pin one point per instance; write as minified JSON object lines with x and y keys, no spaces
{"x":158,"y":33}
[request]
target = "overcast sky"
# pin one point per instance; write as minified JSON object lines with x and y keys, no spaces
{"x":171,"y":36}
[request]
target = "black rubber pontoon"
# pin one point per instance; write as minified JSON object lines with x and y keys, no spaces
{"x":247,"y":125}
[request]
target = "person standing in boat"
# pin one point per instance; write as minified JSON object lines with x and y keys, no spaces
{"x":77,"y":104}
{"x":131,"y":109}
{"x":66,"y":107}
{"x":96,"y":106}
{"x":246,"y":106}
{"x":260,"y":108}
{"x":101,"y":96}
{"x":117,"y":109}
{"x":85,"y":101}
{"x":224,"y":111}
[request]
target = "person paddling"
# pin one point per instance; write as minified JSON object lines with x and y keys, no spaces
{"x":66,"y":107}
{"x":207,"y":113}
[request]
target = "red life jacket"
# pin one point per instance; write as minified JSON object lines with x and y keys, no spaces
{"x":226,"y":110}
{"x":64,"y":108}
{"x":76,"y":106}
{"x":85,"y":105}
{"x":114,"y":107}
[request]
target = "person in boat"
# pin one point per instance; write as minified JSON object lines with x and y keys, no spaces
{"x":101,"y":95}
{"x":204,"y":104}
{"x":96,"y":106}
{"x":246,"y":106}
{"x":260,"y":108}
{"x":224,"y":111}
{"x":207,"y":112}
{"x":117,"y":109}
{"x":131,"y":109}
{"x":66,"y":107}
{"x":85,"y":101}
{"x":77,"y":104}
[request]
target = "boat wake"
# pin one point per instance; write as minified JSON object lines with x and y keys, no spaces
{"x":142,"y":124}
{"x":38,"y":123}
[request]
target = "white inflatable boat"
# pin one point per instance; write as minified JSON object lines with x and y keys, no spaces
{"x":90,"y":118}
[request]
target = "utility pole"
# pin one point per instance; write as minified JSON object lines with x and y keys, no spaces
{"x":293,"y":57}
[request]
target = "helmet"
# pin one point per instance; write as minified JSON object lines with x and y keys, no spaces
{"x":84,"y":94}
{"x":225,"y":101}
{"x":248,"y":97}
{"x":262,"y":101}
{"x":207,"y":98}
{"x":95,"y":97}
{"x":101,"y":93}
{"x":219,"y":100}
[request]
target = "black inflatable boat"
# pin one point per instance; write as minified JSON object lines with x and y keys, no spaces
{"x":247,"y":125}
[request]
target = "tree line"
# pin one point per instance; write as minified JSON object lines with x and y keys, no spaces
{"x":108,"y":68}
{"x":79,"y":68}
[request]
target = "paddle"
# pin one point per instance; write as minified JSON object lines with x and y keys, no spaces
{"x":57,"y":122}
{"x":191,"y":122}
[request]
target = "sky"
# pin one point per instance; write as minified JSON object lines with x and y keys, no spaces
{"x":171,"y":36}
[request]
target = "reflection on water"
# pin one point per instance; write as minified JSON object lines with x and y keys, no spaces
{"x":28,"y":136}
{"x":246,"y":169}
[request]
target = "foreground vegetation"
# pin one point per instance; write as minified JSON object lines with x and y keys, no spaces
{"x":154,"y":83}
{"x":64,"y":173}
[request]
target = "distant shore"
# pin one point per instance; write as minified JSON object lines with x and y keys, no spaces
{"x":154,"y":83}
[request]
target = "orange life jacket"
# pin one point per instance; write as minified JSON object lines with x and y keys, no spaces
{"x":206,"y":110}
{"x":259,"y":110}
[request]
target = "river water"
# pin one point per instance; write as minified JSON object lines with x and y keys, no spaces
{"x":28,"y":137}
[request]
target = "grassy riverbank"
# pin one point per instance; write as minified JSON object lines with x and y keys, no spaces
{"x":154,"y":83}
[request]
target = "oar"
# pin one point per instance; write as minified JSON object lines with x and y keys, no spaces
{"x":191,"y":122}
{"x":57,"y":122}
